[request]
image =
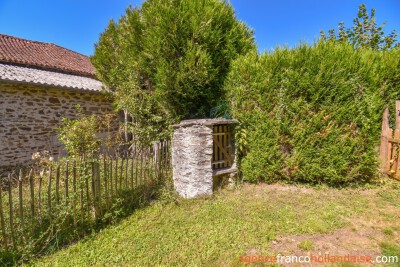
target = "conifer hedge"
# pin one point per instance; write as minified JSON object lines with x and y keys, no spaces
{"x":312,"y":113}
{"x":167,"y":60}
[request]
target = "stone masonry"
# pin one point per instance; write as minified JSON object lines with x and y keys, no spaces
{"x":192,"y":148}
{"x":29,"y":115}
{"x":192,"y":153}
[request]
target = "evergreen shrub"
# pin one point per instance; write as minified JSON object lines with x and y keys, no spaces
{"x":313,"y":113}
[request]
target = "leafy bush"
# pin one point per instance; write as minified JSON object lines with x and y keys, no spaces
{"x":80,"y":136}
{"x":313,"y":113}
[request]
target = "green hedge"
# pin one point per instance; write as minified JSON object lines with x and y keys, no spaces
{"x":312,"y":113}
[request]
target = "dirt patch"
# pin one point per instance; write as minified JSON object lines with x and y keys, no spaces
{"x":378,"y":222}
{"x":349,"y":241}
{"x":288,"y":188}
{"x":262,"y":188}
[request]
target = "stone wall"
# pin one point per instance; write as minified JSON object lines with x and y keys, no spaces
{"x":192,"y":148}
{"x":29,"y":115}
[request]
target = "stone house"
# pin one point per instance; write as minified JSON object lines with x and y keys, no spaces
{"x":39,"y":84}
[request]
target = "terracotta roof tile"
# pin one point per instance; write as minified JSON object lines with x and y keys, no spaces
{"x":46,"y":56}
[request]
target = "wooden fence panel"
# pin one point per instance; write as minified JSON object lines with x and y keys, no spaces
{"x":395,"y":151}
{"x":384,"y":148}
{"x":81,"y":190}
{"x":389,"y":152}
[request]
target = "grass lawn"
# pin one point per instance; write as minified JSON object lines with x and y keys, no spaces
{"x":250,"y":220}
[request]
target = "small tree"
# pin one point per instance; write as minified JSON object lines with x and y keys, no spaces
{"x":80,"y":135}
{"x":364,"y":33}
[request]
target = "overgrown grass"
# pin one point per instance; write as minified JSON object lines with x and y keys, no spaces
{"x":216,"y":231}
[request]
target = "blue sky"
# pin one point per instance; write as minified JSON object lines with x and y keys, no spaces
{"x":76,"y":24}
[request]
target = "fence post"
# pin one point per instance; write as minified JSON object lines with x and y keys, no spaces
{"x":32,"y":191}
{"x":116,"y":174}
{"x":98,"y":189}
{"x":85,"y":171}
{"x":395,"y":150}
{"x":132,"y":166}
{"x":21,"y":211}
{"x":383,"y":152}
{"x":136,"y":165}
{"x":49,"y":192}
{"x":396,"y":157}
{"x":10,"y":202}
{"x":121,"y":176}
{"x":157,"y":155}
{"x":66,"y":184}
{"x":74,"y":192}
{"x":389,"y":157}
{"x":126,"y":125}
{"x":58,"y":184}
{"x":126,"y":170}
{"x":94,"y":193}
{"x":41,"y":173}
{"x":141,"y":165}
{"x":81,"y":189}
{"x":111,"y":179}
{"x":149,"y":162}
{"x":106,"y":180}
{"x":3,"y":227}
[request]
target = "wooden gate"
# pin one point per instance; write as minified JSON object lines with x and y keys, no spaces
{"x":222,"y":147}
{"x":389,"y":153}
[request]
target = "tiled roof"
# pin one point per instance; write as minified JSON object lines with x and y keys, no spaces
{"x":21,"y":74}
{"x":45,"y":56}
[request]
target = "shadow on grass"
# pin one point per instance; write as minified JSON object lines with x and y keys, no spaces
{"x":46,"y":235}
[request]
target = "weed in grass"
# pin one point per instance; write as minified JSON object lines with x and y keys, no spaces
{"x":391,"y":196}
{"x":388,"y":231}
{"x":390,"y":249}
{"x":306,"y":245}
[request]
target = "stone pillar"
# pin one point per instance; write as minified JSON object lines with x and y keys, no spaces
{"x":192,"y":148}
